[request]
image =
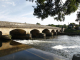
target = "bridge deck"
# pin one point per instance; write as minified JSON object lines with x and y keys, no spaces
{"x":23,"y":25}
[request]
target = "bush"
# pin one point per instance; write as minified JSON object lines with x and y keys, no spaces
{"x":71,"y":31}
{"x":77,"y":28}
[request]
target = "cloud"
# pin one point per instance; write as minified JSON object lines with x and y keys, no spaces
{"x":1,"y":0}
{"x":4,"y":0}
{"x":3,"y":6}
{"x":12,"y":3}
{"x":30,"y":13}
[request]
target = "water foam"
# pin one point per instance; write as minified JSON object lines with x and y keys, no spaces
{"x":65,"y":47}
{"x":34,"y":41}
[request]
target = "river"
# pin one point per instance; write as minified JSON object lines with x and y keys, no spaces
{"x":63,"y":45}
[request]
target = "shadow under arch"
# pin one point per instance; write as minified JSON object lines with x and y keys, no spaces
{"x":53,"y":31}
{"x":35,"y":33}
{"x":57,"y":31}
{"x":18,"y":34}
{"x":45,"y":31}
{"x":60,"y":31}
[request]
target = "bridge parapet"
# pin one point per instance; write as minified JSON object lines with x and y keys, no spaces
{"x":23,"y":25}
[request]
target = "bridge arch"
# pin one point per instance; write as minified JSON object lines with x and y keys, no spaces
{"x":57,"y":31}
{"x":53,"y":31}
{"x":46,"y":31}
{"x":18,"y":34}
{"x":35,"y":33}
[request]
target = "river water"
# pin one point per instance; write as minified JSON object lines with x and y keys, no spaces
{"x":62,"y":45}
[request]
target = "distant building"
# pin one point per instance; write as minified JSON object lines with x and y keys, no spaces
{"x":71,"y":25}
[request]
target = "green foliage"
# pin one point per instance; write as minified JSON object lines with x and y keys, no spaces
{"x":55,"y":8}
{"x":77,"y":27}
{"x":40,"y":1}
{"x":64,"y":26}
{"x":72,"y":6}
{"x":73,"y":26}
{"x":52,"y":25}
{"x":38,"y":24}
{"x":71,"y":31}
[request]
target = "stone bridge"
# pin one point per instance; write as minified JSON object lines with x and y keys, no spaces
{"x":6,"y":27}
{"x":26,"y":29}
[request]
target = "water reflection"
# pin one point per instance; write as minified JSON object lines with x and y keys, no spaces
{"x":11,"y":47}
{"x":0,"y":43}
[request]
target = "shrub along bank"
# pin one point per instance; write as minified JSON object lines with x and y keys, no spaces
{"x":71,"y":31}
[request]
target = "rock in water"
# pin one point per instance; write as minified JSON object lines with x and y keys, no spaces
{"x":76,"y":57}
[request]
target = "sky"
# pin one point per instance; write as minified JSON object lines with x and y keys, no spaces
{"x":22,"y":11}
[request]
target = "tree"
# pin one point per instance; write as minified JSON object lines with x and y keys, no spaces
{"x":38,"y":24}
{"x":55,"y":8}
{"x":78,"y":17}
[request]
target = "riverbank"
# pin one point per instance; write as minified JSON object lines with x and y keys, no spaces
{"x":69,"y":33}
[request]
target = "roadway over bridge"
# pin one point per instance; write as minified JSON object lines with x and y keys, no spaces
{"x":6,"y":24}
{"x":6,"y":27}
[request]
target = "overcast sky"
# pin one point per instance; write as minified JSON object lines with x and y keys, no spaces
{"x":22,"y":11}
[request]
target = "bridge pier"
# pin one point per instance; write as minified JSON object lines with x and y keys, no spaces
{"x":42,"y":35}
{"x":49,"y":34}
{"x":54,"y":33}
{"x":28,"y":36}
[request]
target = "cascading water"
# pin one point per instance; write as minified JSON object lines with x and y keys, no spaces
{"x":63,"y":45}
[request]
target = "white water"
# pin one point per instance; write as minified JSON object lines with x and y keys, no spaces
{"x":63,"y":45}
